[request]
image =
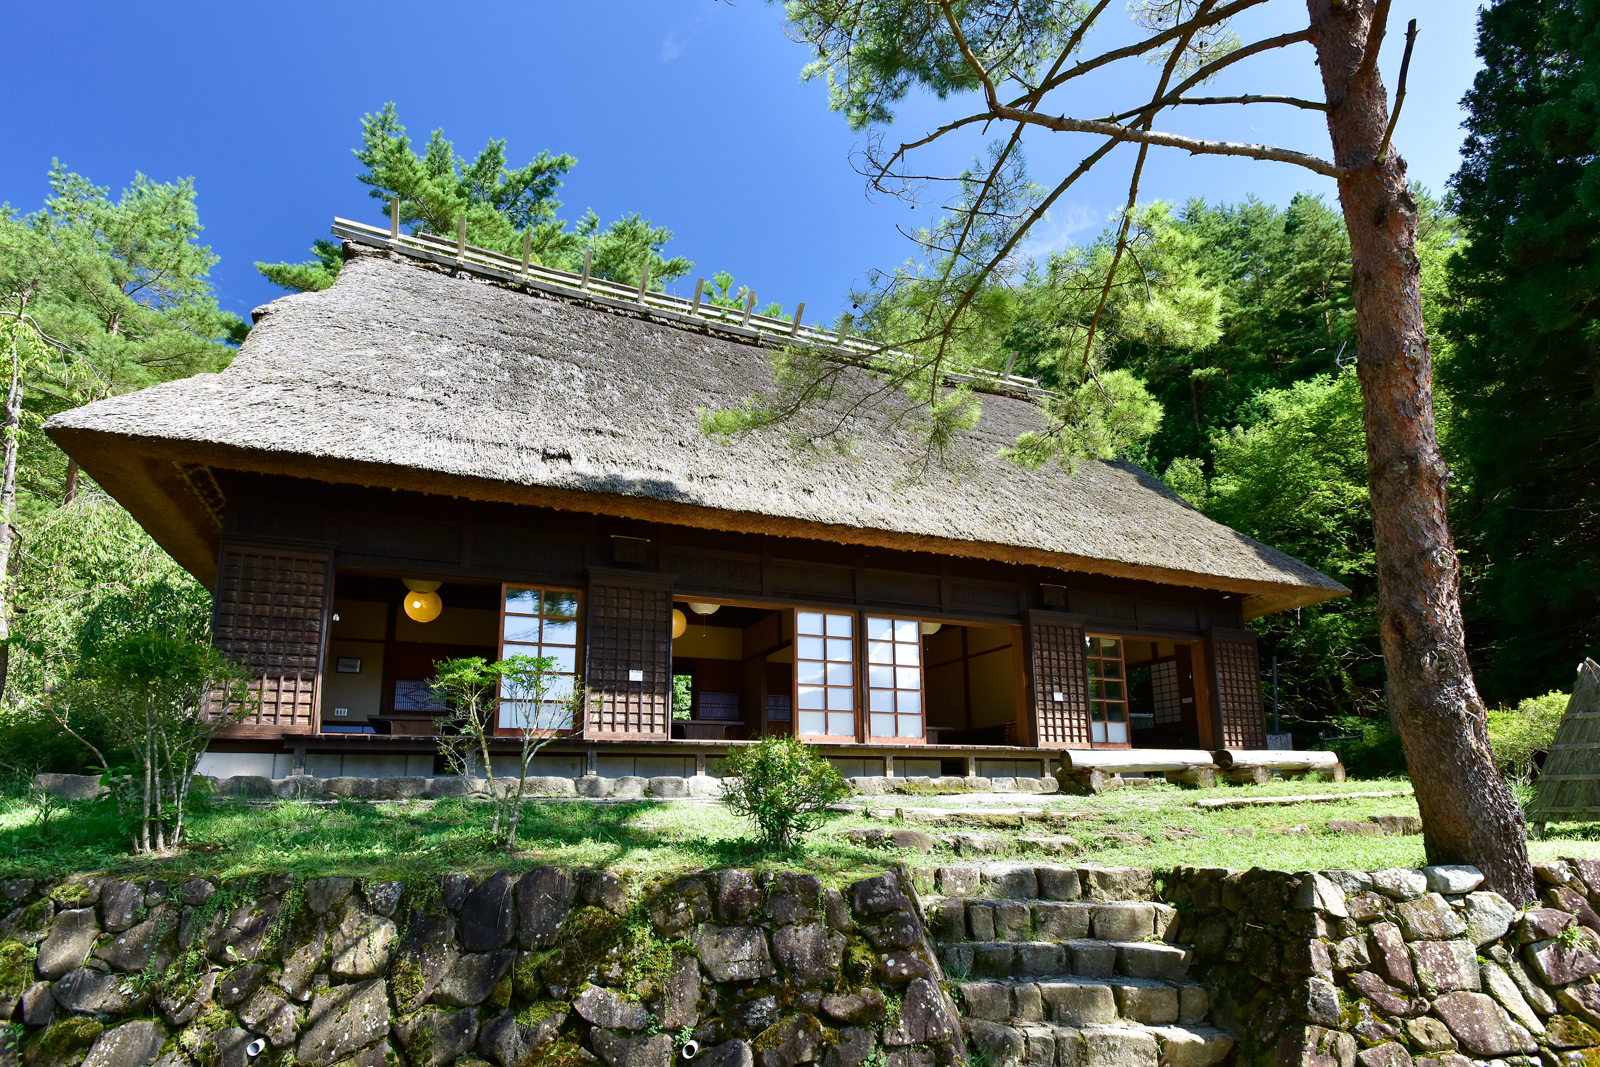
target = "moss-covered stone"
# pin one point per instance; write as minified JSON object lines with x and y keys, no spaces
{"x":588,"y":937}
{"x":64,"y":1041}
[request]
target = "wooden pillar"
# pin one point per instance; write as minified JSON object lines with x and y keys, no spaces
{"x":270,"y":614}
{"x":628,"y":655}
{"x":1205,"y":713}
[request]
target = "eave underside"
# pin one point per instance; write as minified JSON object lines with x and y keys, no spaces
{"x":163,"y":483}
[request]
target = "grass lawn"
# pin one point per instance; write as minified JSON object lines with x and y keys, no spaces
{"x":1158,"y":827}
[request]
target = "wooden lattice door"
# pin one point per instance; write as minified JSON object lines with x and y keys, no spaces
{"x":1059,"y":681}
{"x":628,"y":662}
{"x":271,"y":614}
{"x":1236,"y":669}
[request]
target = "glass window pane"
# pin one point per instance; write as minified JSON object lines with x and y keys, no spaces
{"x":809,"y":648}
{"x":908,"y":703}
{"x":910,"y":725}
{"x":880,"y":676}
{"x":839,"y":625}
{"x":808,"y":622}
{"x":1109,"y":647}
{"x":566,"y":659}
{"x":810,"y":673}
{"x":841,"y":700}
{"x":907,"y":630}
{"x":508,"y":714}
{"x":880,"y":629}
{"x":556,"y":717}
{"x":882,"y":725}
{"x":1097,"y":710}
{"x":880,"y":699}
{"x":840,"y":649}
{"x":564,"y":605}
{"x":841,"y":674}
{"x":520,"y":650}
{"x":1113,"y":690}
{"x":907,"y":655}
{"x":1115,"y":713}
{"x":523,"y":601}
{"x":813,"y":722}
{"x":841,"y":725}
{"x":908,"y":677}
{"x":1097,"y":688}
{"x":1111,"y":669}
{"x":1117,"y":733}
{"x":521,"y":628}
{"x":880,"y":652}
{"x":559,"y":687}
{"x":560,"y":633}
{"x":810,"y":696}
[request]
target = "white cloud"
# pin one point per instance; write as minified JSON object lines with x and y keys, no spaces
{"x":1061,"y":229}
{"x":672,"y":45}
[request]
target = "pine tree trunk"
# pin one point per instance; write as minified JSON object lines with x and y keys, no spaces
{"x":1468,"y":813}
{"x":12,"y":428}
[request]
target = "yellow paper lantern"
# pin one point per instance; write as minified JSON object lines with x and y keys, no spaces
{"x":423,"y":607}
{"x":680,"y":623}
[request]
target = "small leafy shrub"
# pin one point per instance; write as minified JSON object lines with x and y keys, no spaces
{"x":783,"y":786}
{"x":1376,"y":753}
{"x":1517,"y":735}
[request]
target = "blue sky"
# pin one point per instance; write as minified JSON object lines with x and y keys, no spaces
{"x":689,"y":111}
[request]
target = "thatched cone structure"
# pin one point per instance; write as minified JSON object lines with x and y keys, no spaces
{"x":1568,"y":786}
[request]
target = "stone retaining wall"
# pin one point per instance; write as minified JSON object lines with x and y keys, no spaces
{"x":550,"y":966}
{"x":1398,"y":968}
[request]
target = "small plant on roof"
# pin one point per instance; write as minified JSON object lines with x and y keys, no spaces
{"x":783,"y":786}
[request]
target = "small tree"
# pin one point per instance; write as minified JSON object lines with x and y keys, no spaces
{"x":160,"y":698}
{"x":523,"y":693}
{"x":782,"y":785}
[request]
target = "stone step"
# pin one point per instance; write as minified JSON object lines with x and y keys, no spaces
{"x":1085,"y":959}
{"x":955,"y":919}
{"x":1116,"y":1045}
{"x":1036,"y":881}
{"x":1073,"y":1001}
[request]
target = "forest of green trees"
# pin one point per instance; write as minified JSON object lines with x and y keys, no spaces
{"x":1230,"y":336}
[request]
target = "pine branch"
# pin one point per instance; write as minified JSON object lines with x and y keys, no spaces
{"x":1192,"y":145}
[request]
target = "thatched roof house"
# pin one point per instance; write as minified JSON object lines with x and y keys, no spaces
{"x":441,"y":416}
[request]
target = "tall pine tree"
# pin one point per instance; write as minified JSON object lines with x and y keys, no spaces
{"x":1526,"y":370}
{"x":501,"y":205}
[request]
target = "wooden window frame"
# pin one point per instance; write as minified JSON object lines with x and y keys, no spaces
{"x":1089,"y":656}
{"x":857,"y":651}
{"x":867,"y":687}
{"x":577,"y":654}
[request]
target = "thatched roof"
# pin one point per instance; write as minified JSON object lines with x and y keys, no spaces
{"x":414,"y":376}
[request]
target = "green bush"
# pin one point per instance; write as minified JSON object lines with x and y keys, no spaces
{"x":1377,"y":753}
{"x":783,"y":786}
{"x":1518,"y":734}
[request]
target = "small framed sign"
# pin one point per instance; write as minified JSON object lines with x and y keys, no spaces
{"x":349,"y":665}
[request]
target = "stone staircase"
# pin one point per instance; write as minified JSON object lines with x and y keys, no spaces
{"x":1069,"y":967}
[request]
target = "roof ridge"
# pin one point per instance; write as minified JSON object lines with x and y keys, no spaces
{"x":665,"y":308}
